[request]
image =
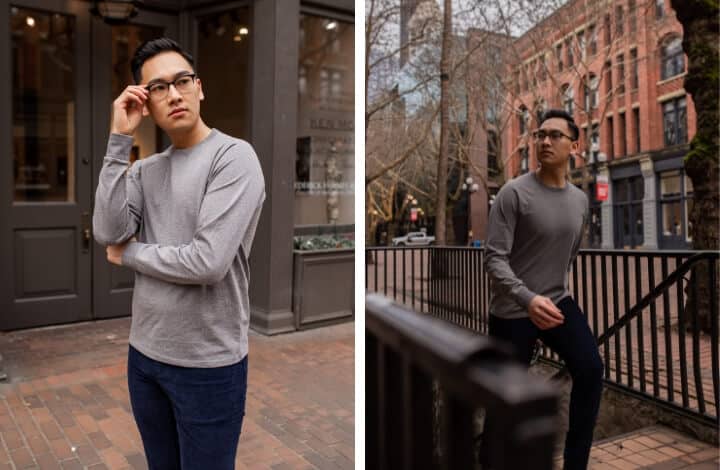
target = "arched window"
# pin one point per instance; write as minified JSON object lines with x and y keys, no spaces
{"x":673,"y":58}
{"x":524,"y":119}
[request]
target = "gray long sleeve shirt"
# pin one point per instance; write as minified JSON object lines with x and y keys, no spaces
{"x":534,"y":234}
{"x":194,"y":212}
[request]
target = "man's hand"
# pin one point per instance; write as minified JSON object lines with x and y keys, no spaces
{"x":128,"y":110}
{"x":115,"y":252}
{"x":544,"y":314}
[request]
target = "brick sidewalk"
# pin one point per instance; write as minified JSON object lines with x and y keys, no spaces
{"x":66,"y":404}
{"x":652,"y":448}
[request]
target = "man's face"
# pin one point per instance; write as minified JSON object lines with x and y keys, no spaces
{"x":179,"y":110}
{"x":555,"y":148}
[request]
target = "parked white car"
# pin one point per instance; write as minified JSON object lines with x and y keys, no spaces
{"x":413,"y":239}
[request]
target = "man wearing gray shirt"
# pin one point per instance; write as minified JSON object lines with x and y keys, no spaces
{"x":184,"y":220}
{"x":534,"y":232}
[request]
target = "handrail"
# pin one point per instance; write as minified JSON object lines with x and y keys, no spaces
{"x":407,"y":353}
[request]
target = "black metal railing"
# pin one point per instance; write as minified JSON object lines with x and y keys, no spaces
{"x":635,"y":302}
{"x":406,"y":354}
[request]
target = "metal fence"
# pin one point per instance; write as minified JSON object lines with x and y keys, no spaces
{"x":408,"y":356}
{"x":635,"y":302}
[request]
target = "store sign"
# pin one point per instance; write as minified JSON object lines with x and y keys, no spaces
{"x":602,"y":188}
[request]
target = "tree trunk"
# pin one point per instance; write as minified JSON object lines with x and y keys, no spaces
{"x":699,"y":19}
{"x":442,"y":172}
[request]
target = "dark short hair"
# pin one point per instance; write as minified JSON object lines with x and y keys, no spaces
{"x":562,"y":114}
{"x":150,"y":49}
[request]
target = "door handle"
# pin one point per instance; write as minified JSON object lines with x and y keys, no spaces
{"x":86,"y":234}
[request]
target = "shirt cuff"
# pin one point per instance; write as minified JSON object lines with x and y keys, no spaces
{"x":119,"y":146}
{"x":524,"y":296}
{"x":129,"y":255}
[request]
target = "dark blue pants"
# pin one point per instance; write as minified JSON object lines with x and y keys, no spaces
{"x":189,"y":418}
{"x":574,"y":343}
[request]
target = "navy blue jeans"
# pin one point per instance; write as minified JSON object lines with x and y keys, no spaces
{"x":574,"y":343}
{"x":189,"y":418}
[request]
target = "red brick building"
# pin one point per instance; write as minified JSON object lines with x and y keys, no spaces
{"x":618,"y":67}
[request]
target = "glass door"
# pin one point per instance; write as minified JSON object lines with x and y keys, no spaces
{"x":44,"y":236}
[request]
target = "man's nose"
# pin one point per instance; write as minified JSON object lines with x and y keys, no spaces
{"x":173,"y":93}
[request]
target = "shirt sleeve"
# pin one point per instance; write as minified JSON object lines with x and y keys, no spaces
{"x":500,"y":236}
{"x":586,"y":219}
{"x":226,"y":222}
{"x":118,"y":199}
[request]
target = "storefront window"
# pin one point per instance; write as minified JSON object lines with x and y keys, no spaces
{"x":43,"y":106}
{"x":676,"y":201}
{"x":324,"y":164}
{"x":125,"y":40}
{"x":628,"y":194}
{"x":223,"y":66}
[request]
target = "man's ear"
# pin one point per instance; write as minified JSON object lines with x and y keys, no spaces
{"x":199,"y":83}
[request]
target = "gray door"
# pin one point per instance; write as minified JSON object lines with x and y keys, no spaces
{"x":112,"y":285}
{"x":60,"y":90}
{"x":45,"y":165}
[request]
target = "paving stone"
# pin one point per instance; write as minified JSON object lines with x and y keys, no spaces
{"x":66,"y":405}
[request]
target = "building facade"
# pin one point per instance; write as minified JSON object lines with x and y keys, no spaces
{"x":278,"y":73}
{"x":618,"y":68}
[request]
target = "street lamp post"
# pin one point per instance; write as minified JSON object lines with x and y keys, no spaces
{"x":470,"y":187}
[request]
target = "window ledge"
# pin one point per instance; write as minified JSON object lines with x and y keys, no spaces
{"x":674,"y":77}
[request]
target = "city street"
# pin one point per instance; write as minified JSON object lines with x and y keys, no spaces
{"x":66,"y":406}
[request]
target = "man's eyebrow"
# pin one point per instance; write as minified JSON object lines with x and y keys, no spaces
{"x":156,"y":80}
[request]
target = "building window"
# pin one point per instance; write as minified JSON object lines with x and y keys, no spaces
{"x":675,"y":121}
{"x":673,"y":58}
{"x":517,"y":83}
{"x":570,"y":57}
{"x":676,"y":202}
{"x":608,"y":31}
{"x":558,"y":57}
{"x":623,"y":134}
{"x":591,"y":98}
{"x":611,"y":138}
{"x":634,"y":77}
{"x":632,"y":12}
{"x":543,"y":68}
{"x":659,"y":8}
{"x":619,"y":20}
{"x":628,"y":196}
{"x":582,"y":46}
{"x":608,"y":78}
{"x":595,"y":143}
{"x":492,"y":149}
{"x":621,"y":73}
{"x":524,"y":160}
{"x":324,"y":163}
{"x":636,"y":120}
{"x":523,"y":119}
{"x":593,"y":40}
{"x":568,"y":97}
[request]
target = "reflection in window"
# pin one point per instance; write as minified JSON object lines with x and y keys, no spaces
{"x":676,"y":199}
{"x":324,"y":163}
{"x":43,"y":116}
{"x":673,"y":58}
{"x":675,"y":121}
{"x":223,"y":66}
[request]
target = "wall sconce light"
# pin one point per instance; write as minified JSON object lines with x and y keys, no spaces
{"x":116,"y":12}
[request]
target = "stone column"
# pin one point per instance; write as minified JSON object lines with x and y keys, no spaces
{"x":650,"y":233}
{"x":606,"y":212}
{"x":275,"y":25}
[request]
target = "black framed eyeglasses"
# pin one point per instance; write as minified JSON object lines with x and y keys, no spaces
{"x":159,"y":89}
{"x":540,"y":135}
